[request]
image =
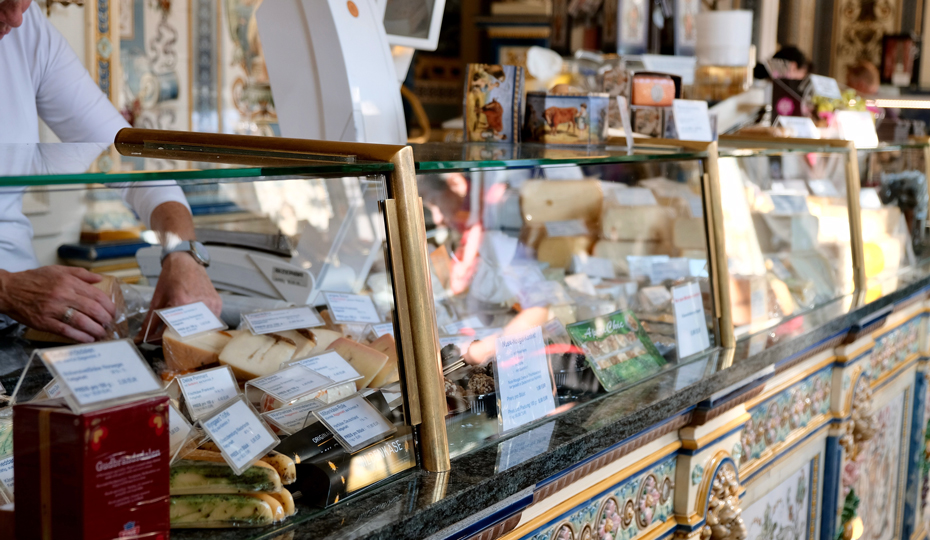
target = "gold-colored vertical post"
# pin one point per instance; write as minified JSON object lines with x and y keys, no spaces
{"x":717,"y":247}
{"x":857,"y":245}
{"x":410,"y":223}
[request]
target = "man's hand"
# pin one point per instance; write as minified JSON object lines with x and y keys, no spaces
{"x":42,"y":298}
{"x":182,"y":281}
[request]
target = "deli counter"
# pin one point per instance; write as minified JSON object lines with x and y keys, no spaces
{"x":717,"y":339}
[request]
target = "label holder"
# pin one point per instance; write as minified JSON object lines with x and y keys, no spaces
{"x":258,"y":423}
{"x":252,"y":319}
{"x":370,"y":409}
{"x":262,"y":386}
{"x":216,"y":324}
{"x":188,"y":402}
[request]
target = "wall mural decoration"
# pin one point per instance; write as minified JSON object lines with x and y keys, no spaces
{"x":924,"y":503}
{"x":248,"y":107}
{"x":724,"y":519}
{"x":858,"y":28}
{"x":786,"y":512}
{"x":788,"y":412}
{"x":894,"y":347}
{"x":621,"y":512}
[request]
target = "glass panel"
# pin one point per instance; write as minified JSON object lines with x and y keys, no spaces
{"x":273,"y":241}
{"x":894,"y":200}
{"x":787,"y":233}
{"x":577,"y":256}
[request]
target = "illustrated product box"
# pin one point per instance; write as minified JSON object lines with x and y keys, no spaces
{"x":649,"y":121}
{"x":566,"y":118}
{"x":100,"y":475}
{"x":493,"y":103}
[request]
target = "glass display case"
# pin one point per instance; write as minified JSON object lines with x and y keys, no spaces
{"x":893,"y":198}
{"x":789,"y":238}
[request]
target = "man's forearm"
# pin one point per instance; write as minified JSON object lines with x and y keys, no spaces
{"x":172,"y":223}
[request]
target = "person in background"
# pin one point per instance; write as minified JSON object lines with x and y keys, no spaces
{"x":797,"y":65}
{"x":41,"y":77}
{"x":863,"y":78}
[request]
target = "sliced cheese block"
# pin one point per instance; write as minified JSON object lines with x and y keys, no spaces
{"x":219,"y":511}
{"x":194,"y":352}
{"x":324,"y":338}
{"x":252,"y":356}
{"x":388,"y":374}
{"x":189,"y":477}
{"x":617,"y":252}
{"x":303,"y":338}
{"x":558,"y":250}
{"x":560,"y":200}
{"x":367,"y":361}
{"x":284,"y":465}
{"x":688,"y":233}
{"x":644,"y":223}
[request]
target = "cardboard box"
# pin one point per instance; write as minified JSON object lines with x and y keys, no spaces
{"x":566,"y":118}
{"x":101,"y":475}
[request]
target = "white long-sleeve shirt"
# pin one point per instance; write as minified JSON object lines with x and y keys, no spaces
{"x":41,"y":76}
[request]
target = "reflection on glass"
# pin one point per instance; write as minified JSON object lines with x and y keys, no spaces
{"x":787,"y":235}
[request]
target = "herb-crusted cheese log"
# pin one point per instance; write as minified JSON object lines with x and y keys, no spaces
{"x":367,"y":361}
{"x":252,"y":356}
{"x":216,"y":511}
{"x":204,"y":477}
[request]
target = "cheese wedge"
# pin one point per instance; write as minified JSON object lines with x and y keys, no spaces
{"x":219,"y":511}
{"x":189,"y":477}
{"x":194,"y":352}
{"x":388,"y":374}
{"x":323,"y":338}
{"x":367,"y":361}
{"x":252,"y":356}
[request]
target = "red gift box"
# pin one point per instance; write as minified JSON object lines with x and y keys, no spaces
{"x":100,"y":475}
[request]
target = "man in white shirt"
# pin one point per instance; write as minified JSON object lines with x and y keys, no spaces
{"x":40,"y":76}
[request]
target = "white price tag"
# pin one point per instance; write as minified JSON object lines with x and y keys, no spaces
{"x":382,"y":329}
{"x":240,"y":434}
{"x":351,"y":308}
{"x":470,"y":323}
{"x":857,"y":126}
{"x":331,"y":365}
{"x":697,"y":268}
{"x":625,"y":120}
{"x":571,"y":227}
{"x":101,"y":371}
{"x":524,"y":447}
{"x":581,"y":283}
{"x":524,"y":383}
{"x":355,"y":423}
{"x":802,"y":126}
{"x":869,"y":199}
{"x":641,"y":266}
{"x":294,"y":418}
{"x":823,"y":188}
{"x":593,"y":266}
{"x":191,"y":319}
{"x":178,"y":429}
{"x":280,"y":320}
{"x":292,"y":383}
{"x":669,"y":269}
{"x":634,"y":196}
{"x":824,"y":86}
{"x":690,"y":325}
{"x":6,"y":473}
{"x":207,"y":391}
{"x":692,"y":121}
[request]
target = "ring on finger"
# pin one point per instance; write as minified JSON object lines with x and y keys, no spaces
{"x":69,"y":314}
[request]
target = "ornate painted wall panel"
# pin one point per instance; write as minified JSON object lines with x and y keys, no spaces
{"x":894,"y":347}
{"x":789,"y":511}
{"x":858,"y":28}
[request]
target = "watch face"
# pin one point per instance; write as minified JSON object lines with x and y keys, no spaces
{"x":201,"y":252}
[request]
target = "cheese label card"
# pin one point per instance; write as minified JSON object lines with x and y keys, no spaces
{"x":824,"y":86}
{"x":869,"y":199}
{"x":240,"y":434}
{"x":641,"y":265}
{"x":351,"y":308}
{"x":671,"y":269}
{"x":178,"y":429}
{"x":692,"y":121}
{"x":857,"y":126}
{"x":823,"y":188}
{"x":465,"y":324}
{"x":617,"y":348}
{"x":524,"y":447}
{"x":543,"y":293}
{"x":332,"y":366}
{"x":382,"y":329}
{"x":208,"y":390}
{"x":6,"y":473}
{"x":690,"y":324}
{"x":596,"y":267}
{"x":191,"y":320}
{"x":292,"y":383}
{"x":571,"y":227}
{"x":697,"y":268}
{"x":294,"y":418}
{"x":524,"y":381}
{"x":280,"y":320}
{"x":802,"y":126}
{"x":355,"y":422}
{"x":100,"y":372}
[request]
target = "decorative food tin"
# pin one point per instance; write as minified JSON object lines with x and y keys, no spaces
{"x":493,"y":103}
{"x":566,"y":118}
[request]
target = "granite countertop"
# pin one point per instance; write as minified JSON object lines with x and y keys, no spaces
{"x":420,"y":505}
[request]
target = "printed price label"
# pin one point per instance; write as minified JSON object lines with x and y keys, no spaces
{"x":240,"y":434}
{"x":280,"y":320}
{"x":294,"y":418}
{"x":593,"y":266}
{"x":802,"y":126}
{"x":53,"y":389}
{"x":670,"y":269}
{"x":641,"y":266}
{"x":524,"y":447}
{"x":191,"y":319}
{"x":524,"y":384}
{"x":292,"y":383}
{"x":470,"y":323}
{"x":355,"y":422}
{"x":331,"y":365}
{"x":690,"y":324}
{"x":178,"y":429}
{"x":824,"y":86}
{"x":6,"y":473}
{"x":382,"y":329}
{"x":101,"y":371}
{"x":207,"y":391}
{"x":571,"y":227}
{"x":351,"y":308}
{"x":692,"y":120}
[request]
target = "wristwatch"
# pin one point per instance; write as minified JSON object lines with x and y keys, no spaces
{"x":197,"y":250}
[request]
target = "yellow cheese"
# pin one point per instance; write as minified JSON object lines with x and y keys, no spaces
{"x":219,"y":511}
{"x":252,"y":356}
{"x":565,"y":313}
{"x":688,"y":233}
{"x":388,"y":374}
{"x":643,"y":223}
{"x":287,"y":501}
{"x":324,"y":338}
{"x":560,"y":200}
{"x":367,"y":361}
{"x":277,"y":510}
{"x":304,"y":339}
{"x":558,"y":250}
{"x":195,"y":352}
{"x":617,"y":252}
